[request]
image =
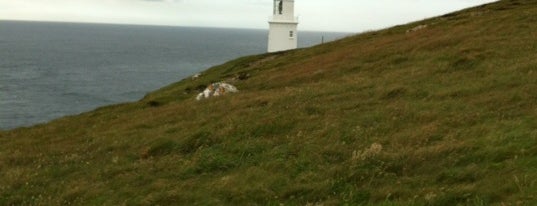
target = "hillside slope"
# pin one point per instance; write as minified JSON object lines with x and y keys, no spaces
{"x":443,"y":115}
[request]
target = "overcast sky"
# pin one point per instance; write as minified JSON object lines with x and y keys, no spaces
{"x":317,"y":15}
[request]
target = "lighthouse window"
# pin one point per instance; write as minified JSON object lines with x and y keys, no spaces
{"x":291,"y":34}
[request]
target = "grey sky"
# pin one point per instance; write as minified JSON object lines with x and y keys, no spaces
{"x":320,"y":15}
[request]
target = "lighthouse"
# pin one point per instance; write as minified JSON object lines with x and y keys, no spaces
{"x":283,"y":27}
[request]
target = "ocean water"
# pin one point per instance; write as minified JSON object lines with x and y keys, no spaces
{"x":50,"y":70}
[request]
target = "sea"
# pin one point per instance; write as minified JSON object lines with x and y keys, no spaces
{"x":50,"y":70}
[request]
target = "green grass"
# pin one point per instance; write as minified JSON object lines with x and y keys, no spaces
{"x":453,"y":106}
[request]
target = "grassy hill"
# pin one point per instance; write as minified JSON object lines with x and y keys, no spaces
{"x":443,"y":115}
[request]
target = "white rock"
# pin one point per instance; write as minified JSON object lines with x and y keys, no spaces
{"x":196,"y":76}
{"x":417,"y":28}
{"x":216,"y":89}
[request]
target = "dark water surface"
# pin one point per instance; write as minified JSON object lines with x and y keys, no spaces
{"x":49,"y":70}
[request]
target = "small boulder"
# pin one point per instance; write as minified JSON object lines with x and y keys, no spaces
{"x":196,"y":76}
{"x":417,"y":28}
{"x":216,"y":89}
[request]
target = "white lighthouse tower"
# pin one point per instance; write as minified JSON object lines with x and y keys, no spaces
{"x":283,"y":27}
